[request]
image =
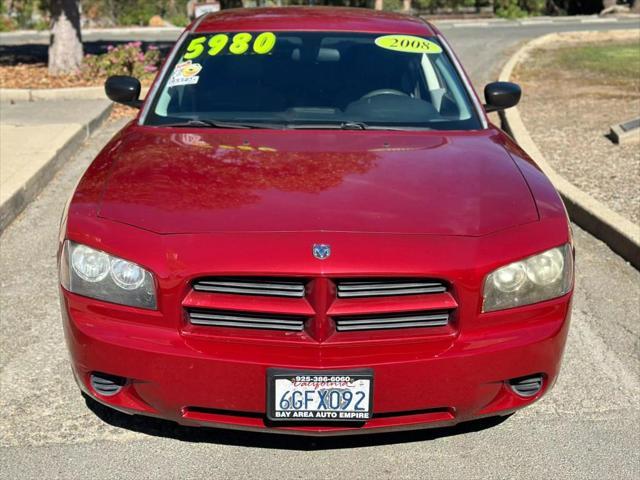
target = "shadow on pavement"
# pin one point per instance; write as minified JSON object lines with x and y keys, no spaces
{"x":167,"y":429}
{"x":38,"y":53}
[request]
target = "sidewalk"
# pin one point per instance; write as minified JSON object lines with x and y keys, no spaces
{"x":538,"y":20}
{"x":36,"y":138}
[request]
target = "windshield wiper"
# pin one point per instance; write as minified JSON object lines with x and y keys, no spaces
{"x":347,"y":125}
{"x":220,"y":124}
{"x":329,"y":126}
{"x":354,"y":126}
{"x":351,"y":125}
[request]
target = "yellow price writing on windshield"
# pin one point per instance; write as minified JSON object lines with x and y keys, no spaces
{"x":264,"y":43}
{"x":407,"y":44}
{"x":217,"y":43}
{"x":195,"y":48}
{"x":238,"y":44}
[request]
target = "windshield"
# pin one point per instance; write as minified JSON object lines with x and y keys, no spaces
{"x":313,"y":80}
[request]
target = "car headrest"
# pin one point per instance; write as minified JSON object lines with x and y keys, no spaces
{"x":324,"y":55}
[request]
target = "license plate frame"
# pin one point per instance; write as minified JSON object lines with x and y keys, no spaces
{"x":273,"y":374}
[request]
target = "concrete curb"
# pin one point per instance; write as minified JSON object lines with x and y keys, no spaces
{"x":542,"y":20}
{"x":46,"y":34}
{"x":12,"y":207}
{"x":34,"y":94}
{"x":73,"y":93}
{"x":622,"y":235}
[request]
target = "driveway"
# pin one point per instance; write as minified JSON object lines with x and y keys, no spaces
{"x":587,"y":427}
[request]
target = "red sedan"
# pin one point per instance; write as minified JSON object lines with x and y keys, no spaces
{"x":312,"y":227}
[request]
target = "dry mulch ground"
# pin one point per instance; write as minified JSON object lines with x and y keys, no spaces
{"x":36,"y":75}
{"x":568,"y":112}
{"x":122,"y":111}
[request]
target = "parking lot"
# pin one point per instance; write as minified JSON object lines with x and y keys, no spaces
{"x":587,"y":427}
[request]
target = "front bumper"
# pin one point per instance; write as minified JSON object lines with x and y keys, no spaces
{"x":420,"y":382}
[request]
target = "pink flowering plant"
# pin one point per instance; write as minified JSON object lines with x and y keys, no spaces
{"x":127,"y":59}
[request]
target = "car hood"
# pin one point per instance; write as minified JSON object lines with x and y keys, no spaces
{"x":196,"y":181}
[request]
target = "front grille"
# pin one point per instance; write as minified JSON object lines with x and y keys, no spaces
{"x":380,"y":288}
{"x":319,"y":306}
{"x":211,"y":318}
{"x":386,"y":321}
{"x":250,"y":286}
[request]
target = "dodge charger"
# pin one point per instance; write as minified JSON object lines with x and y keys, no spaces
{"x":312,"y":226}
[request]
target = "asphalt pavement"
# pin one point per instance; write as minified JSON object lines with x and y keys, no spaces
{"x":587,"y":427}
{"x":484,"y":49}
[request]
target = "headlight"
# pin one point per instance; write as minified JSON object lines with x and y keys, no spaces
{"x":540,"y":277}
{"x":92,"y":273}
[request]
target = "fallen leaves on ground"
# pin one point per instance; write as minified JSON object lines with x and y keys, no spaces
{"x":122,"y":111}
{"x":569,"y":106}
{"x":36,"y":75}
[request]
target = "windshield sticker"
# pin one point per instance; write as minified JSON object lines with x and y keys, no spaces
{"x":238,"y":44}
{"x":407,"y":44}
{"x":185,"y":73}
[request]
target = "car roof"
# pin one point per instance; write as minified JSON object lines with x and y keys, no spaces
{"x":312,"y":19}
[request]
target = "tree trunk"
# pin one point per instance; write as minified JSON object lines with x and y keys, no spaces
{"x":379,"y":4}
{"x":406,"y":5}
{"x":635,"y":8}
{"x":65,"y":47}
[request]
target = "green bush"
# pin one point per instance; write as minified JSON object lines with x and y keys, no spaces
{"x":509,"y":9}
{"x":519,"y":8}
{"x":19,"y":14}
{"x":34,"y":13}
{"x":179,"y":20}
{"x":392,"y":5}
{"x":136,"y":12}
{"x":128,"y":59}
{"x":432,"y":5}
{"x":41,"y":25}
{"x":7,"y":24}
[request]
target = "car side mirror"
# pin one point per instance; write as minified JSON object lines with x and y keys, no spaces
{"x":123,"y":89}
{"x":501,"y":95}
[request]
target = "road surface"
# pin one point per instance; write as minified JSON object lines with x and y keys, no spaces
{"x":587,"y":427}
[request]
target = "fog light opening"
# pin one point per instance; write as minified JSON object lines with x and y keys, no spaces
{"x":528,"y":386}
{"x":107,"y":385}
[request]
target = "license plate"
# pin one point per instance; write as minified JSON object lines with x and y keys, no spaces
{"x":319,"y":396}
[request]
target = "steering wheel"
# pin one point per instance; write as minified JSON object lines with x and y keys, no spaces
{"x":383,"y":91}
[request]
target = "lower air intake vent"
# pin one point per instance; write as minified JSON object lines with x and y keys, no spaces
{"x":526,"y":386}
{"x":249,"y":286}
{"x":404,"y":320}
{"x":107,"y":385}
{"x":379,"y":288}
{"x":266,"y":321}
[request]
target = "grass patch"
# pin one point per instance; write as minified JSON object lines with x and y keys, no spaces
{"x":591,"y":64}
{"x":620,"y":61}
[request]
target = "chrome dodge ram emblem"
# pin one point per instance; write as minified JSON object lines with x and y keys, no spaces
{"x":321,"y":251}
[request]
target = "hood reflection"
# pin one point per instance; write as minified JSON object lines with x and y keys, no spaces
{"x":190,"y":170}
